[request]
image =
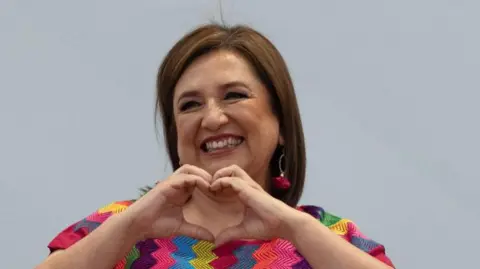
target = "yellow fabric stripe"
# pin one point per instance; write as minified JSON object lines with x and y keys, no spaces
{"x":340,"y":227}
{"x":113,"y":207}
{"x":205,"y":255}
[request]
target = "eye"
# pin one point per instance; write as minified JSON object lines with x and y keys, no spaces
{"x":188,"y":105}
{"x":235,"y":95}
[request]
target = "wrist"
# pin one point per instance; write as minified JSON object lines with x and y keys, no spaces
{"x":294,"y":224}
{"x":132,"y":228}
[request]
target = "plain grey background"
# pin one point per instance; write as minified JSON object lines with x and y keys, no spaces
{"x":388,"y":93}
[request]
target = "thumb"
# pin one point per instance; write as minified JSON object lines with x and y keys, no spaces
{"x":194,"y":231}
{"x":229,"y":234}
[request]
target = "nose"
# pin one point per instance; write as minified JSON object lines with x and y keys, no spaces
{"x":214,"y":116}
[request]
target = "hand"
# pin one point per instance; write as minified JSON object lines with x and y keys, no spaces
{"x":265,"y":217}
{"x":159,"y":213}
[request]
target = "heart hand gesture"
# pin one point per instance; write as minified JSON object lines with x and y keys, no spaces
{"x":159,"y":213}
{"x":265,"y":217}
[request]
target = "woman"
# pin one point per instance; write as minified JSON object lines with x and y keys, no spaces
{"x":235,"y":141}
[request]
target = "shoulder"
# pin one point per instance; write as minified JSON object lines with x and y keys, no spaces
{"x":342,"y":226}
{"x":115,"y":207}
{"x":325,"y":217}
{"x":104,"y":212}
{"x":78,"y":230}
{"x":348,"y":230}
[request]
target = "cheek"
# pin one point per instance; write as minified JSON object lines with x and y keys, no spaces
{"x":265,"y":122}
{"x":185,"y":133}
{"x":262,"y":126}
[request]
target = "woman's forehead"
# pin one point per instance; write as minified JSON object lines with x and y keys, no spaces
{"x":213,"y":70}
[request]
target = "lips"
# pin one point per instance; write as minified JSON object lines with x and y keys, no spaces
{"x":216,"y":143}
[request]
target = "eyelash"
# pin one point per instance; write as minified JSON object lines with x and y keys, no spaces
{"x":229,"y":95}
{"x":237,"y":95}
{"x":187,"y":105}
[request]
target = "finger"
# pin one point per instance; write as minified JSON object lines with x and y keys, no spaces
{"x":243,"y":189}
{"x":225,"y":182}
{"x":232,"y":170}
{"x":203,"y":184}
{"x":191,"y":169}
{"x":235,"y":171}
{"x":229,"y":234}
{"x":189,"y":182}
{"x":194,"y":231}
{"x":248,"y":195}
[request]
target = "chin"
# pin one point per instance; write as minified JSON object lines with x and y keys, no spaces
{"x":219,"y":164}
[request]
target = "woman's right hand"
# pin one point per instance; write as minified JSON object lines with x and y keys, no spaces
{"x":159,"y":213}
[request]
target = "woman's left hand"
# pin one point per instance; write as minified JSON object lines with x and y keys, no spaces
{"x":265,"y":217}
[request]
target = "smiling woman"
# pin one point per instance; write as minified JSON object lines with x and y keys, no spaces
{"x":235,"y":140}
{"x":219,"y":100}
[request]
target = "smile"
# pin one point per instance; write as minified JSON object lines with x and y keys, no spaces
{"x":222,"y":143}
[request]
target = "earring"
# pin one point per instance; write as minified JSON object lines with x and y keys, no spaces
{"x":281,"y":182}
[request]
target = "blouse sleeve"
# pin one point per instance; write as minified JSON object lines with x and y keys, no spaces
{"x":78,"y":230}
{"x":349,"y":231}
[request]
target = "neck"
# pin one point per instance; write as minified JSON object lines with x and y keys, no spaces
{"x":213,"y":212}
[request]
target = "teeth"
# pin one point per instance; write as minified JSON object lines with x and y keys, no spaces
{"x":224,"y":143}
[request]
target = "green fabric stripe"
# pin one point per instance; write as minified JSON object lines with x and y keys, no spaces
{"x":329,"y":219}
{"x":132,"y":256}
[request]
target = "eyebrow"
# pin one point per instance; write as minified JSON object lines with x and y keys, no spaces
{"x":231,"y":84}
{"x":190,"y":93}
{"x":235,"y":83}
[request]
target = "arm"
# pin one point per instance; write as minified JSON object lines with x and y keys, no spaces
{"x":323,"y":249}
{"x":101,"y":249}
{"x":105,"y":238}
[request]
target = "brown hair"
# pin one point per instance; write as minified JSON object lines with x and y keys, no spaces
{"x":271,"y":70}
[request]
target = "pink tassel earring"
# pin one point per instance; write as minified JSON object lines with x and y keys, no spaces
{"x":281,"y":182}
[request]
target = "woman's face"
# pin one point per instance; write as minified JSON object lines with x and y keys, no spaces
{"x":224,"y":116}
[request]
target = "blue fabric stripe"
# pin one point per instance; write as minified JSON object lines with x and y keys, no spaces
{"x":184,"y":253}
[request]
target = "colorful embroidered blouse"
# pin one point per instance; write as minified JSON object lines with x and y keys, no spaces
{"x":184,"y":252}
